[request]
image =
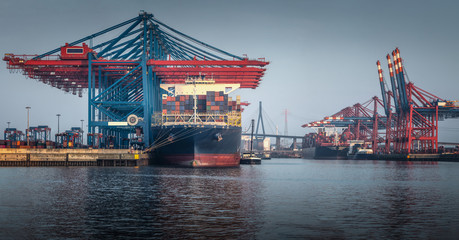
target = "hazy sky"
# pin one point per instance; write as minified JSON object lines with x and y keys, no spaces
{"x":322,"y":53}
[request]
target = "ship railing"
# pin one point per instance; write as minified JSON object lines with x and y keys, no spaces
{"x":231,"y":118}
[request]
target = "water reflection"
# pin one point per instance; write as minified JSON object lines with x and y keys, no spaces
{"x":174,"y":202}
{"x":284,"y":198}
{"x":409,"y":198}
{"x":41,"y":203}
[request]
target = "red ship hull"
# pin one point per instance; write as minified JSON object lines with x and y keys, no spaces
{"x":203,"y":160}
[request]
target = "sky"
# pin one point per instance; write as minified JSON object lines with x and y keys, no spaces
{"x":322,"y":54}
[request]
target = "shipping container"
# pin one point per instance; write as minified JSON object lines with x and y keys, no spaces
{"x":212,"y":102}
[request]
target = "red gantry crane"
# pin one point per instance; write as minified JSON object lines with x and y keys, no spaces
{"x":360,"y":122}
{"x":411,"y":124}
{"x":413,"y":127}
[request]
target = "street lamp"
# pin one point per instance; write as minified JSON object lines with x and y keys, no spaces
{"x":82,"y":131}
{"x":27,"y":130}
{"x":58,"y":115}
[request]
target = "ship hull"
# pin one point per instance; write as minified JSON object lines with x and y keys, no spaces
{"x":325,"y":152}
{"x":197,"y":146}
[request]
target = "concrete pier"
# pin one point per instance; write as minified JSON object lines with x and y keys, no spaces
{"x":71,"y":157}
{"x":416,"y":157}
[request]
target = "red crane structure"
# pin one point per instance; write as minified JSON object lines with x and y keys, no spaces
{"x":413,"y":127}
{"x":360,"y":121}
{"x":411,"y":124}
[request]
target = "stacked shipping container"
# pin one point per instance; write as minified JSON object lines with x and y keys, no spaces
{"x":23,"y":144}
{"x":212,"y":102}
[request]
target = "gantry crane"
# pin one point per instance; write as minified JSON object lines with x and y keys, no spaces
{"x":360,"y":122}
{"x":411,"y":124}
{"x":122,"y":73}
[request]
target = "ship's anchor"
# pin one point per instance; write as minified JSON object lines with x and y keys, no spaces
{"x":171,"y":137}
{"x":219,"y":137}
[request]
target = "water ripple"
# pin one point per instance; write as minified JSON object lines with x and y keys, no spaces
{"x":282,"y":198}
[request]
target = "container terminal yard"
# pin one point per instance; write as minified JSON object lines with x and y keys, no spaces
{"x":144,"y":80}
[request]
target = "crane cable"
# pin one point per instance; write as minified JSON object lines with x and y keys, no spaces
{"x":181,"y":135}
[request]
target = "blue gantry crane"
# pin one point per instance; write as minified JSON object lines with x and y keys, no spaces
{"x":122,"y":73}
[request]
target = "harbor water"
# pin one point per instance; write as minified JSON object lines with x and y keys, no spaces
{"x":281,"y":198}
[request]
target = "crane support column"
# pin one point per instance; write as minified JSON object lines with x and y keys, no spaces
{"x":89,"y":99}
{"x":147,"y":113}
{"x":375,"y":126}
{"x":383,"y":89}
{"x":395,"y":94}
{"x":401,"y":94}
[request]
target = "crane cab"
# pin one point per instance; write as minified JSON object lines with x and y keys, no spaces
{"x":75,"y":52}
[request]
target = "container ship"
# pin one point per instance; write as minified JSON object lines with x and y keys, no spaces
{"x":327,"y":143}
{"x":199,"y":126}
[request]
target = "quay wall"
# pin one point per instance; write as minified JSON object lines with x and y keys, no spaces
{"x":72,"y":157}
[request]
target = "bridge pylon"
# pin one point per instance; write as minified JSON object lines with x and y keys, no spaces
{"x":260,"y":120}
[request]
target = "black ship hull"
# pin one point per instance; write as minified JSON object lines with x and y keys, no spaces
{"x":197,"y":146}
{"x":325,"y":152}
